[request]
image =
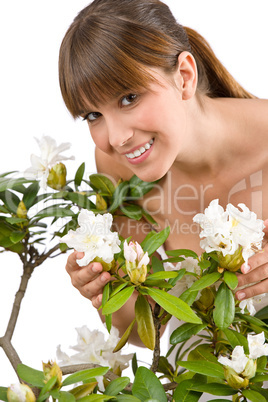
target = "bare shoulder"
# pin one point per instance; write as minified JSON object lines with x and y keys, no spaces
{"x":107,"y":166}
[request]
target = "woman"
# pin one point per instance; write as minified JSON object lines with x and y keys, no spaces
{"x":160,"y":105}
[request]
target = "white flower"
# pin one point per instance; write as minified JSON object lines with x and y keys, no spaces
{"x":93,"y":237}
{"x":136,"y":262}
{"x":20,"y":393}
{"x":238,"y":360}
{"x":247,"y":303}
{"x":93,"y":348}
{"x":257,"y":346}
{"x":50,"y":154}
{"x":227,"y":231}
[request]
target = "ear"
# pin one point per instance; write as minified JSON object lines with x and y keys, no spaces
{"x":186,"y":75}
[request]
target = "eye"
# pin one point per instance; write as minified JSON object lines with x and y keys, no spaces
{"x":128,"y":99}
{"x":92,"y":116}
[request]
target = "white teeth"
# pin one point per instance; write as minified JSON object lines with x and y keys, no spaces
{"x":140,"y":151}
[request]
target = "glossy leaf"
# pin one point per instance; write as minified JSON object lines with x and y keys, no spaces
{"x":102,"y":184}
{"x":66,"y":397}
{"x":82,"y":390}
{"x":214,"y":389}
{"x":262,"y":314}
{"x":224,"y":311}
{"x":253,"y":396}
{"x":154,"y":240}
{"x":127,"y":398}
{"x":124,"y":337}
{"x":183,"y":393}
{"x":79,"y":175}
{"x":236,"y":339}
{"x":138,"y":187}
{"x":205,"y":281}
{"x":162,"y":275}
{"x":189,"y":296}
{"x":3,"y":394}
{"x":230,"y":279}
{"x":132,"y":211}
{"x":17,"y":236}
{"x":116,"y":302}
{"x":174,"y":306}
{"x":30,"y":375}
{"x":116,"y":386}
{"x":55,"y":211}
{"x":97,"y":398}
{"x":147,"y":386}
{"x":203,"y":352}
{"x":30,"y":194}
{"x":10,"y":183}
{"x":145,"y":322}
{"x":81,"y":200}
{"x":119,"y":195}
{"x":85,"y":375}
{"x":185,"y":332}
{"x":211,"y":369}
{"x":182,"y":251}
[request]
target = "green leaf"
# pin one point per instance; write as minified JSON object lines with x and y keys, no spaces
{"x":116,"y":302}
{"x":79,"y":175}
{"x":174,"y":305}
{"x":10,"y":200}
{"x":147,"y":386}
{"x":85,"y":375}
{"x":127,"y":398}
{"x":236,"y":339}
{"x":47,"y":387}
{"x":203,"y":352}
{"x":3,"y":394}
{"x":253,"y":396}
{"x":55,"y":211}
{"x":162,"y":275}
{"x":182,"y":251}
{"x":14,"y":221}
{"x":214,"y":389}
{"x":81,"y":200}
{"x":205,"y":281}
{"x":132,"y":211}
{"x":117,"y":386}
{"x":260,"y":378}
{"x":30,"y":194}
{"x":154,"y":240}
{"x":97,"y":398}
{"x":262,"y":314}
{"x":125,"y":337}
{"x":184,"y":332}
{"x":261,"y":364}
{"x":253,"y":320}
{"x":17,"y":236}
{"x":145,"y":322}
{"x":30,"y":375}
{"x":66,"y":397}
{"x":224,"y":311}
{"x":119,"y":196}
{"x":138,"y":187}
{"x":157,"y":265}
{"x":83,"y":390}
{"x":183,"y":394}
{"x":102,"y":184}
{"x":211,"y":369}
{"x":230,"y":279}
{"x":10,"y":183}
{"x":189,"y":297}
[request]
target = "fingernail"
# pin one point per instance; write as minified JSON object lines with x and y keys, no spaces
{"x":240,"y":295}
{"x":103,"y":278}
{"x":245,"y":268}
{"x":95,"y":268}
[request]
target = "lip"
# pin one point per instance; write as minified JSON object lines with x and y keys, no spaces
{"x":142,"y":157}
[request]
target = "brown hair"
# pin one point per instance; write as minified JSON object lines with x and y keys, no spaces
{"x":109,"y":46}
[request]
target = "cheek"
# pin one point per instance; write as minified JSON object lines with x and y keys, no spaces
{"x":99,"y":138}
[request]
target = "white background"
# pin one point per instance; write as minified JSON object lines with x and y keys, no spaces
{"x":31,"y":32}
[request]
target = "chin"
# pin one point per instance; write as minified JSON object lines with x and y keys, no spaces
{"x":152,"y":176}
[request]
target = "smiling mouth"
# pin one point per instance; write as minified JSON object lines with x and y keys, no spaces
{"x":138,"y":152}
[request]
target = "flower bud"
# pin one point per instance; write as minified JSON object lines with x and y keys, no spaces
{"x":250,"y":369}
{"x":107,"y":266}
{"x":206,"y":300}
{"x":235,"y":380}
{"x":57,"y":177}
{"x":231,"y":262}
{"x":101,"y":204}
{"x":22,"y":210}
{"x":136,"y":262}
{"x":51,"y":369}
{"x":20,"y":393}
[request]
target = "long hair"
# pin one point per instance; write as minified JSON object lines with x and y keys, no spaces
{"x":109,"y":46}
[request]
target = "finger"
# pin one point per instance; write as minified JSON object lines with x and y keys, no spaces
{"x":256,"y":261}
{"x":94,"y":288}
{"x":254,"y":290}
{"x":86,"y":274}
{"x":256,"y":275}
{"x":96,"y":301}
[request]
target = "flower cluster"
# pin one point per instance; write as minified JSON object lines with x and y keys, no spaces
{"x":234,"y":234}
{"x":93,"y":348}
{"x":44,"y":165}
{"x":136,"y":262}
{"x":240,"y":368}
{"x":94,"y":238}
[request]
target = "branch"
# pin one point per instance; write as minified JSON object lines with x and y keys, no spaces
{"x":157,"y":326}
{"x":10,"y":352}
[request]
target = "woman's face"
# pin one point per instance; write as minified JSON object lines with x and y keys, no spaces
{"x":144,"y":131}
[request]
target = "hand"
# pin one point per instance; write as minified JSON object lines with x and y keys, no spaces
{"x":89,"y":280}
{"x":255,"y":271}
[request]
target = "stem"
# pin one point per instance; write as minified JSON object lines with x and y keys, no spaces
{"x":157,"y":326}
{"x":10,"y":352}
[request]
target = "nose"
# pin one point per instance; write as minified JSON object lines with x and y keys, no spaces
{"x":119,"y":132}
